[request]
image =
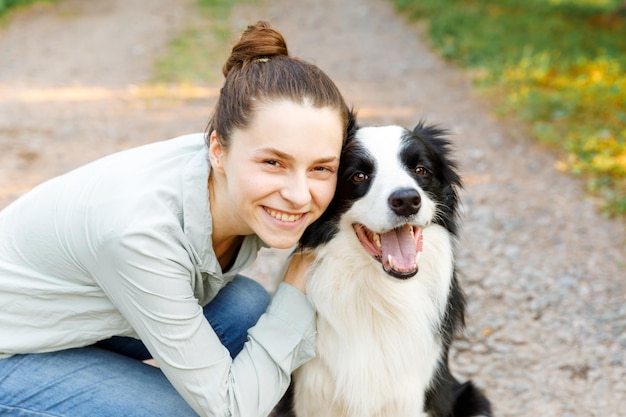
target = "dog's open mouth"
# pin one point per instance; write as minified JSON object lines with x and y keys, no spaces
{"x":398,"y":249}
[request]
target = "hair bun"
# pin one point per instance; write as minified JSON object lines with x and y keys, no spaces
{"x":257,"y":41}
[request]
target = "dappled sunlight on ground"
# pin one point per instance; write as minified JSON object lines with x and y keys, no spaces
{"x":87,"y":93}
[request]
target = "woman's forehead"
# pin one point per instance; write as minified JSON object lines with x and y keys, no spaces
{"x":284,"y":124}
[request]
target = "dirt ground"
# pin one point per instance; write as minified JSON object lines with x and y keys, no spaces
{"x":543,"y":270}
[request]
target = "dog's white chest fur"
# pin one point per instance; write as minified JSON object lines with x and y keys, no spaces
{"x":377,"y":336}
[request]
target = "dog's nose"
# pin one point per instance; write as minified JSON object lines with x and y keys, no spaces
{"x":405,"y":202}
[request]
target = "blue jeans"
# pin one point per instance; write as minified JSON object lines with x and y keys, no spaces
{"x":109,"y":379}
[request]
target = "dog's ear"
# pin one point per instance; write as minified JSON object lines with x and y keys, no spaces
{"x":440,"y":148}
{"x":436,"y":138}
{"x":435,"y":135}
{"x":352,"y":126}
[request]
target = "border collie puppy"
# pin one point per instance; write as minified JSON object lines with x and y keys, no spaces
{"x":384,"y":285}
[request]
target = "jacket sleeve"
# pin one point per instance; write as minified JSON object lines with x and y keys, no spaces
{"x":148,"y":278}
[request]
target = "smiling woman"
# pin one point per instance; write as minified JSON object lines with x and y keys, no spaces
{"x":292,"y":153}
{"x":137,"y":255}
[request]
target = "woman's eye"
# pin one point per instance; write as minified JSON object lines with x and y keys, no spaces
{"x":323,"y":172}
{"x":421,"y":171}
{"x":359,"y":176}
{"x":272,"y":162}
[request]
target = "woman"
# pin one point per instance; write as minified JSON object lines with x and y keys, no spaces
{"x":136,"y":256}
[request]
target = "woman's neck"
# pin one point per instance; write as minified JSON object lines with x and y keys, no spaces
{"x":225,"y":242}
{"x":227,"y":250}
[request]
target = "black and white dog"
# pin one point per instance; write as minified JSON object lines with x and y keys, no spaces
{"x":384,"y":285}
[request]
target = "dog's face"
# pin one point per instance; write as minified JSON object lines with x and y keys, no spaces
{"x":392,"y":184}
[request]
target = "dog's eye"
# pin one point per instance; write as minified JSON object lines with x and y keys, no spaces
{"x":359,"y":176}
{"x":421,"y":171}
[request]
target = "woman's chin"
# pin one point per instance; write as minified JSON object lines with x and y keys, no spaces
{"x":280,"y":239}
{"x":279,"y":234}
{"x":280,"y":243}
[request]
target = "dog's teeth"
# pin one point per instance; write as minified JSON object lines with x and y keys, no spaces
{"x":377,"y":240}
{"x":418,"y":256}
{"x":390,"y":260}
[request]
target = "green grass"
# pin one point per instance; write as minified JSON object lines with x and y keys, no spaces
{"x":196,"y":55}
{"x":6,"y":5}
{"x":559,"y":65}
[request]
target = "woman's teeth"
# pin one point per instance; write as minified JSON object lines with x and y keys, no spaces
{"x":282,"y":216}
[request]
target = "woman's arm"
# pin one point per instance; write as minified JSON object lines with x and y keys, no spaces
{"x":147,"y":276}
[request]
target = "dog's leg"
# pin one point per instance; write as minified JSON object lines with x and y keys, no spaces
{"x":447,"y":397}
{"x":470,"y":402}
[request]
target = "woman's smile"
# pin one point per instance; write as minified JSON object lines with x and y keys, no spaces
{"x":284,"y":216}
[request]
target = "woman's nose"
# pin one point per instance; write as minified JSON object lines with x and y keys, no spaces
{"x":296,"y":190}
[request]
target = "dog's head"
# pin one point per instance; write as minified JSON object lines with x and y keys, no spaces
{"x":392,"y":184}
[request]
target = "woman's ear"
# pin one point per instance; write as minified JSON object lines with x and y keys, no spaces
{"x":216,"y":152}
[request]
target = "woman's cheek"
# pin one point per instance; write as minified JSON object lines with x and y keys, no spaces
{"x":327,"y":191}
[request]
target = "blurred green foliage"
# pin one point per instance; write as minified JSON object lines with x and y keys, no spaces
{"x":560,"y":65}
{"x":196,"y":55}
{"x":8,"y":4}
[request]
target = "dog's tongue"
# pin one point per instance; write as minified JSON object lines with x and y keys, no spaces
{"x":401,"y":245}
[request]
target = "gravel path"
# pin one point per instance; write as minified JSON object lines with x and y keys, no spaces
{"x":68,"y":76}
{"x":544,"y":272}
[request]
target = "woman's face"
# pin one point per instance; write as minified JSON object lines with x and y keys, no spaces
{"x":281,"y":171}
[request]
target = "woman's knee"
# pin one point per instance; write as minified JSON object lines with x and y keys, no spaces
{"x":235,"y":309}
{"x":253,"y":297}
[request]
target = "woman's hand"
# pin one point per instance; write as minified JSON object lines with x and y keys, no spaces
{"x":297,"y":273}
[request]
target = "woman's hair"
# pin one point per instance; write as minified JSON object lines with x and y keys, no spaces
{"x":260,"y":70}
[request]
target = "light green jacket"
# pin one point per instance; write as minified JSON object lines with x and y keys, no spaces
{"x":122,"y":246}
